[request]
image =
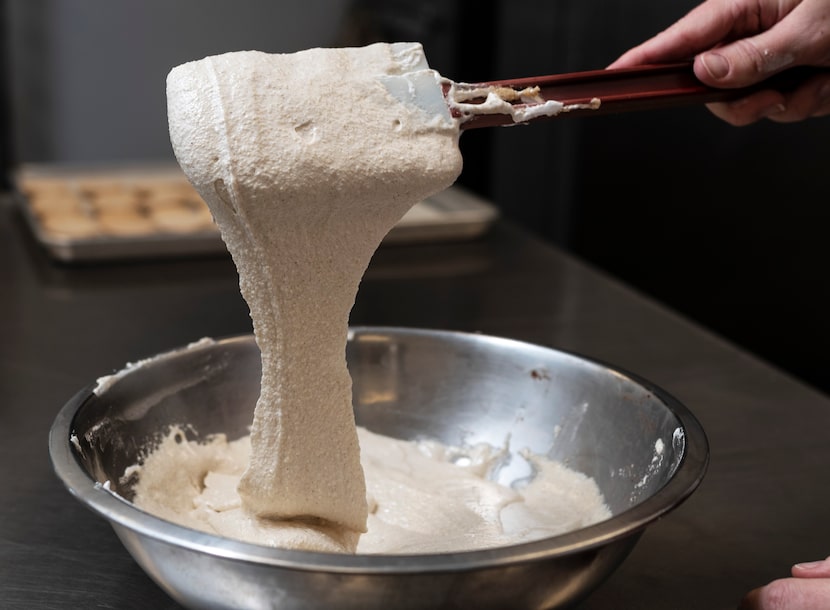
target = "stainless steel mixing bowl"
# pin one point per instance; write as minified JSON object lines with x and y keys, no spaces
{"x":645,"y":450}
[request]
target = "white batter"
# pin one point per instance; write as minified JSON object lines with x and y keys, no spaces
{"x":306,"y":161}
{"x":421,"y":500}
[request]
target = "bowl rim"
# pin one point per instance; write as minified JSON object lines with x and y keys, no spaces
{"x":120,"y":512}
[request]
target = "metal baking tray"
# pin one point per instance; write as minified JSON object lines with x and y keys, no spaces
{"x":134,"y":211}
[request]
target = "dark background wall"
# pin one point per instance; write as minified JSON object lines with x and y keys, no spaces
{"x":728,"y":226}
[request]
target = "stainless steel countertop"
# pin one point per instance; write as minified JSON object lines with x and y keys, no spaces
{"x":761,"y":508}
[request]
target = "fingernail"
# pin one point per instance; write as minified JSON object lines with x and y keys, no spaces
{"x":716,"y":65}
{"x":809,"y":565}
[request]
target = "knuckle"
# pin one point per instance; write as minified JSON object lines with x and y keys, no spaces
{"x":775,"y":595}
{"x":762,"y":60}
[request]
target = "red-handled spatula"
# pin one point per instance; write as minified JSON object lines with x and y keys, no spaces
{"x":597,"y":92}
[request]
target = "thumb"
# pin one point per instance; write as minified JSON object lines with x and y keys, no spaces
{"x":812,"y":569}
{"x":750,"y":60}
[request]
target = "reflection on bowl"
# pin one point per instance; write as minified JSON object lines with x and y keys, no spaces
{"x":646,"y":452}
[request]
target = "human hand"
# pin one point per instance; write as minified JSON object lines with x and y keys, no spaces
{"x":737,"y":43}
{"x":808,"y":589}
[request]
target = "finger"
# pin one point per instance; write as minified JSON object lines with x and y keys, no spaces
{"x":789,"y":594}
{"x":812,"y":569}
{"x":749,"y":109}
{"x":702,"y":28}
{"x":812,"y":99}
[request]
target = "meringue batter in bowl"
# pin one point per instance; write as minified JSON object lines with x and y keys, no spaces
{"x":306,"y":160}
{"x":646,"y":452}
